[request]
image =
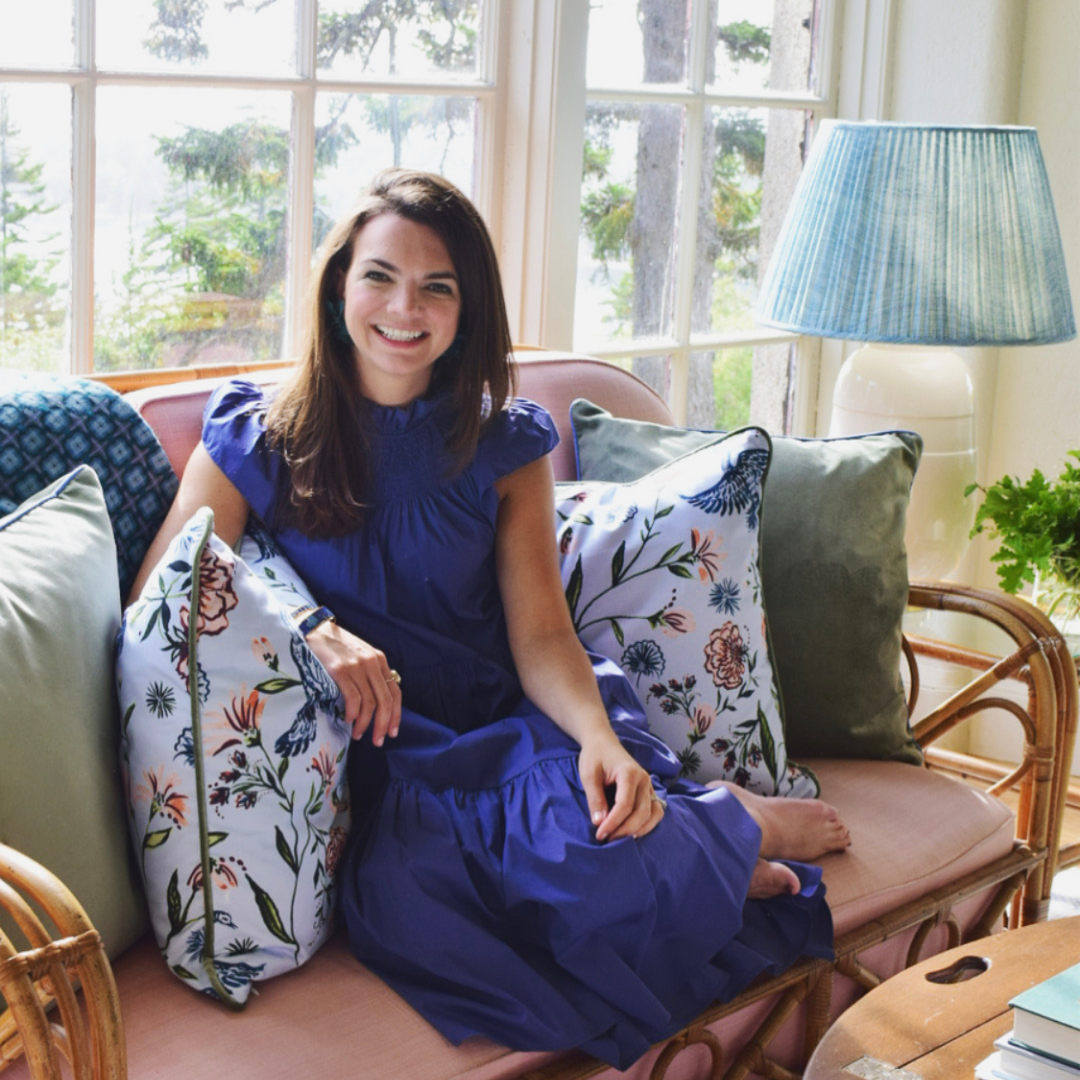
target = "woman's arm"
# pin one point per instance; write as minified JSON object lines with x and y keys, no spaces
{"x":359,"y":669}
{"x":203,"y":484}
{"x":554,"y":669}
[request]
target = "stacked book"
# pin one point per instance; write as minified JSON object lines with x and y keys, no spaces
{"x":1044,"y":1043}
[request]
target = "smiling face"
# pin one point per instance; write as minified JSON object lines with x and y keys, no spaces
{"x":402,"y":304}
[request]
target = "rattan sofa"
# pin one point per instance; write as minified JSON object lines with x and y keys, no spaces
{"x":936,"y":859}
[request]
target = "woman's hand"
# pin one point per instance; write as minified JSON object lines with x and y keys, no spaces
{"x":372,"y":695}
{"x":604,"y":763}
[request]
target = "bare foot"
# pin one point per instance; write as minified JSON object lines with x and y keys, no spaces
{"x":798,"y":829}
{"x":771,"y":879}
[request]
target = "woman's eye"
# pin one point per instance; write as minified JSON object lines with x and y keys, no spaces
{"x":375,"y":275}
{"x":440,"y":287}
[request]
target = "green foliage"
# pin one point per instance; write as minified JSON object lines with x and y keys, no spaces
{"x":31,"y":315}
{"x":621,"y":307}
{"x":249,"y":159}
{"x":732,"y":371}
{"x":1038,"y":524}
{"x":175,"y":33}
{"x":744,"y":42}
{"x":443,"y":27}
{"x":606,"y":215}
{"x":597,"y":159}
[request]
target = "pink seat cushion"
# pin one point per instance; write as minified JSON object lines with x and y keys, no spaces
{"x":331,"y":1017}
{"x":949,"y":830}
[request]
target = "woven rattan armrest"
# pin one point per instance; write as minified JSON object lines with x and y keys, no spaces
{"x":48,"y":972}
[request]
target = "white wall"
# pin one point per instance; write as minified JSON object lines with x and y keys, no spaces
{"x":1037,"y":403}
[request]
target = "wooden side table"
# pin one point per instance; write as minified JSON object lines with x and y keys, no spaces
{"x":914,"y":1028}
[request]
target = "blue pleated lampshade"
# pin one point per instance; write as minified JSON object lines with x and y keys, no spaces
{"x":921,"y":233}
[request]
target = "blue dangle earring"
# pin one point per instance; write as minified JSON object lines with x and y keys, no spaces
{"x":335,"y":318}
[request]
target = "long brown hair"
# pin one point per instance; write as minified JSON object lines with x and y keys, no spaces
{"x":318,"y":420}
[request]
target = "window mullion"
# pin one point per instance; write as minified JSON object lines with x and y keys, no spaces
{"x":689,"y":195}
{"x":83,"y":101}
{"x":490,"y":121}
{"x":301,"y":177}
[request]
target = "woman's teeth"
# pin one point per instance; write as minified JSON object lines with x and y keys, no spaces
{"x":399,"y":335}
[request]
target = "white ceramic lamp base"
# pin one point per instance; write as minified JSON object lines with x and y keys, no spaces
{"x":927,"y":390}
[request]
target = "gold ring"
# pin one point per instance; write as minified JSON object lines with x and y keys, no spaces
{"x":656,"y":799}
{"x":393,"y":677}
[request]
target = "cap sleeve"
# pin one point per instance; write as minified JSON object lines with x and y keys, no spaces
{"x":234,"y":434}
{"x":522,"y":432}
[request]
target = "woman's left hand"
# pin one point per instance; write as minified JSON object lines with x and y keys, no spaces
{"x":604,"y":763}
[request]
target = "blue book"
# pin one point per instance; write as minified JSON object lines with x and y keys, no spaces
{"x":1046,"y":1017}
{"x":1016,"y":1060}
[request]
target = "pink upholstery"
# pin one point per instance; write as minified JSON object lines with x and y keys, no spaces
{"x":175,"y":412}
{"x":878,"y":873}
{"x":556,"y":379}
{"x":553,"y":379}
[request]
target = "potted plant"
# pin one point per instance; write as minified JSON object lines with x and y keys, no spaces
{"x":1038,"y":524}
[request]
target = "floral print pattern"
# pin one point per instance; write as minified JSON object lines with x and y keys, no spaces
{"x":663,"y":575}
{"x":239,"y":813}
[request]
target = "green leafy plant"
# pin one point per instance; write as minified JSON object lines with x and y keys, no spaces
{"x":1038,"y":524}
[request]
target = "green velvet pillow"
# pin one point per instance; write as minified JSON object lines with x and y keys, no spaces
{"x":60,"y":788}
{"x":834,"y":571}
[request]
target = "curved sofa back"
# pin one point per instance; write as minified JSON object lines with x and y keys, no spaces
{"x":554,"y":379}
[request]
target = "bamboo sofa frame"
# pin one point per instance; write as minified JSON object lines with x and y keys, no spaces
{"x":70,"y":954}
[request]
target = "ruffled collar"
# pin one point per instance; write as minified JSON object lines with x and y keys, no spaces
{"x":401,"y":419}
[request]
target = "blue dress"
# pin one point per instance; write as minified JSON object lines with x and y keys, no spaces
{"x":474,"y":885}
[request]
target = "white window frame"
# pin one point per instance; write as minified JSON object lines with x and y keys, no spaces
{"x":542,"y":300}
{"x":85,"y":77}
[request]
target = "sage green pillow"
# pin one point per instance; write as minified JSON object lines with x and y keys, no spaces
{"x":834,"y":571}
{"x":60,"y":787}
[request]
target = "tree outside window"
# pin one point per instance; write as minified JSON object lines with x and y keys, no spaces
{"x":719,"y":106}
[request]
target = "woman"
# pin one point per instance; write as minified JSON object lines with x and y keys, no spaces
{"x":527,"y":866}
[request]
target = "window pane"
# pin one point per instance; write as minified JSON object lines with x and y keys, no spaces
{"x":620,"y":54}
{"x":359,"y":134}
{"x":242,"y":37}
{"x":763,"y":44}
{"x":626,"y":262}
{"x":719,"y":392}
{"x":725,"y":271}
{"x":654,"y":370}
{"x":35,"y":217}
{"x":413,"y":39}
{"x":190,"y":232}
{"x":37,"y":35}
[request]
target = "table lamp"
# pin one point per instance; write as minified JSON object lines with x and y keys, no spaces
{"x":917,"y":238}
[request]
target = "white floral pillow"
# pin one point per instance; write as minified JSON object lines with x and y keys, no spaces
{"x":233,"y":750}
{"x":662,"y":575}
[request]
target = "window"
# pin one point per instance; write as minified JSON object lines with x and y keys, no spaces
{"x":698,"y":114}
{"x":167,"y":166}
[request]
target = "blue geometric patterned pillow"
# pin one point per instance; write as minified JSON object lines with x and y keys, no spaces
{"x":49,"y":425}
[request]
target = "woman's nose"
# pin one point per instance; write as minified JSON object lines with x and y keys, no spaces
{"x":406,"y":298}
